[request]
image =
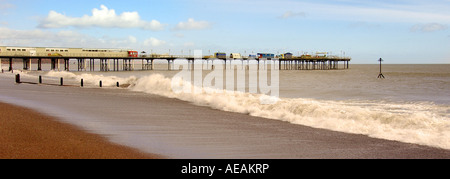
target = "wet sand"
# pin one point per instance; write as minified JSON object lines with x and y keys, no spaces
{"x":26,"y":134}
{"x":178,"y":129}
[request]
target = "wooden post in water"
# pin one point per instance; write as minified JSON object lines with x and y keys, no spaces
{"x":82,"y":82}
{"x":18,"y":78}
{"x":381,"y":74}
{"x":100,"y":84}
{"x":61,"y":81}
{"x":40,"y":79}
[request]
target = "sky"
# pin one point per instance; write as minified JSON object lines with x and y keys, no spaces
{"x":399,"y":31}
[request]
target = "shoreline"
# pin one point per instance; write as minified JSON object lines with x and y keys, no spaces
{"x":27,"y":134}
{"x":179,"y":129}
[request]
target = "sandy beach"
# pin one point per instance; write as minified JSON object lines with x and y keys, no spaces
{"x":179,"y":129}
{"x":26,"y":134}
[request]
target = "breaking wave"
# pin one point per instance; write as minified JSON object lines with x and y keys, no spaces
{"x":423,"y":123}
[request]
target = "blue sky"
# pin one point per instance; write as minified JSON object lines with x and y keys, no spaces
{"x":399,"y":31}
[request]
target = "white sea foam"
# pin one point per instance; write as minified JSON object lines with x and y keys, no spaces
{"x":420,"y":123}
{"x":414,"y":122}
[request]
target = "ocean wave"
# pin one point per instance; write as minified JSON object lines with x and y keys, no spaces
{"x":423,"y":123}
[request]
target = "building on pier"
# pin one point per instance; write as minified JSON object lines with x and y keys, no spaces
{"x":104,"y":57}
{"x":72,"y":52}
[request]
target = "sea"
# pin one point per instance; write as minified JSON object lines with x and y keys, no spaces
{"x":411,"y":104}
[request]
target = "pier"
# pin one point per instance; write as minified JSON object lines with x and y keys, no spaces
{"x":111,"y":63}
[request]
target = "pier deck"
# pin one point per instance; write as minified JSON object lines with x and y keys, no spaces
{"x":147,"y":62}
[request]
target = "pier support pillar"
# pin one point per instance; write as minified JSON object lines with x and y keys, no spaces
{"x":10,"y":64}
{"x":91,"y":64}
{"x":117,"y":65}
{"x":29,"y":64}
{"x":104,"y":64}
{"x":168,"y":64}
{"x":80,"y":62}
{"x":152,"y":65}
{"x":84,"y":66}
{"x":101,"y":65}
{"x":25,"y":63}
{"x":53,"y":64}
{"x":128,"y":65}
{"x":114,"y":64}
{"x":39,"y":64}
{"x":258,"y":64}
{"x":66,"y":64}
{"x":107,"y":64}
{"x":148,"y":65}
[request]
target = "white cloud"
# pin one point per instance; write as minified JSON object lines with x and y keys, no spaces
{"x":430,"y":27}
{"x":63,"y":38}
{"x":102,"y":17}
{"x":369,"y":11}
{"x":191,"y":24}
{"x":6,"y":5}
{"x":132,"y":39}
{"x":40,"y":38}
{"x":179,"y":35}
{"x":290,"y":14}
{"x":154,"y":42}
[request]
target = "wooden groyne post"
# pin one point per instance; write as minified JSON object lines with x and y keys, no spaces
{"x":18,"y":78}
{"x":381,"y":74}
